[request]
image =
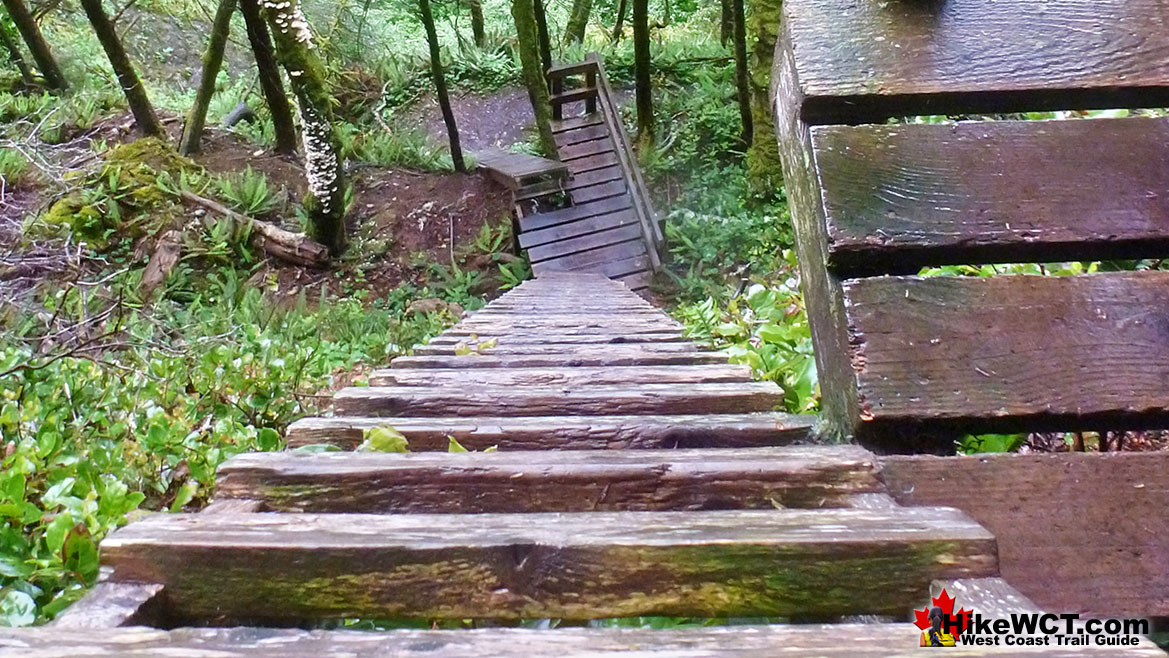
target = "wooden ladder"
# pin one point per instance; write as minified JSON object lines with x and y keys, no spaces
{"x":636,"y":475}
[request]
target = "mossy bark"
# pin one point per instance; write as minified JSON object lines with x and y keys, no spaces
{"x":764,"y":168}
{"x":296,"y":51}
{"x":37,"y":46}
{"x":15,"y":56}
{"x":269,"y":75}
{"x":131,"y":84}
{"x":524,"y":14}
{"x":641,"y":72}
{"x":542,"y":32}
{"x":477,"y":29}
{"x":619,"y":24}
{"x":436,"y":72}
{"x":212,"y":61}
{"x":578,"y":20}
{"x":742,"y":74}
{"x":726,"y":25}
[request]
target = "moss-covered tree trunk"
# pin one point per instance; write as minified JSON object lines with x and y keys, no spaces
{"x":37,"y":46}
{"x":297,"y":52}
{"x":131,"y":84}
{"x":542,"y":33}
{"x":271,"y":85}
{"x":15,"y":56}
{"x":212,"y":61}
{"x":764,"y":169}
{"x":578,"y":20}
{"x":619,"y":24}
{"x":523,"y":12}
{"x":742,"y":74}
{"x":436,"y":72}
{"x":477,"y":29}
{"x":726,"y":25}
{"x":641,"y":72}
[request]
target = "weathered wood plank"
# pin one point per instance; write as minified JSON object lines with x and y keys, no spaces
{"x":585,"y":149}
{"x":582,"y":134}
{"x":1011,"y":352}
{"x":594,"y":257}
{"x":577,"y":228}
{"x":585,"y":324}
{"x":899,"y":197}
{"x":585,"y":243}
{"x":594,"y":177}
{"x":862,"y":61}
{"x":566,"y":377}
{"x":598,"y":161}
{"x":503,"y":346}
{"x":536,"y":338}
{"x":615,"y":355}
{"x":573,"y":213}
{"x":623,"y":267}
{"x":551,"y":481}
{"x":565,"y":433}
{"x":598,"y":192}
{"x":742,"y":397}
{"x":574,"y":566}
{"x":821,"y":288}
{"x":1107,"y":508}
{"x":637,"y":280}
{"x":796,"y":640}
{"x":572,"y":123}
{"x":111,"y":604}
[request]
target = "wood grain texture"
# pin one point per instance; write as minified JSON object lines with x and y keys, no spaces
{"x":565,"y":377}
{"x":900,"y":197}
{"x":109,"y":605}
{"x":605,"y":238}
{"x":1011,"y":352}
{"x":584,"y":149}
{"x":504,"y":346}
{"x":862,"y":61}
{"x":551,"y":481}
{"x":599,"y":191}
{"x":565,"y":433}
{"x":613,"y":355}
{"x":794,"y":640}
{"x":621,"y":400}
{"x":559,"y":339}
{"x":578,"y":228}
{"x":1098,"y":521}
{"x":573,"y":566}
{"x":573,"y":213}
{"x":574,"y":262}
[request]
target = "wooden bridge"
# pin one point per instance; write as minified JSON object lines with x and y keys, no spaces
{"x":640,"y":475}
{"x":590,"y":210}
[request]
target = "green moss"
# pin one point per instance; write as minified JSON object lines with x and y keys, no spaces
{"x":156,"y":154}
{"x":764,"y":168}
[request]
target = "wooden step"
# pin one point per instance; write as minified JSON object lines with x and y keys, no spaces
{"x":564,"y":432}
{"x":573,"y":96}
{"x":523,"y":338}
{"x":583,"y":325}
{"x":626,"y":399}
{"x":852,"y":640}
{"x":600,"y":334}
{"x":574,"y":213}
{"x":278,"y":568}
{"x":551,"y":481}
{"x":578,"y":228}
{"x":585,"y":149}
{"x":585,"y":243}
{"x":582,"y":134}
{"x":596,"y":161}
{"x":572,"y":123}
{"x":503,"y":346}
{"x":564,"y":377}
{"x":593,"y":258}
{"x":599,"y":191}
{"x":613,"y":355}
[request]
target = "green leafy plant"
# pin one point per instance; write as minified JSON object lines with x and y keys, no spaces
{"x":249,"y":192}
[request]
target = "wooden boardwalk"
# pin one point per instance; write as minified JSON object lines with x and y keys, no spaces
{"x":636,"y":474}
{"x":610,"y":226}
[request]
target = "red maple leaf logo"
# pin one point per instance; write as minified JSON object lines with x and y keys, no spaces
{"x":946,"y":603}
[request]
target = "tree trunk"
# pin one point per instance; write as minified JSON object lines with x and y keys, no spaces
{"x":523,"y":12}
{"x":271,"y":84}
{"x":477,"y":29}
{"x":132,"y":87}
{"x":15,"y":57}
{"x":641,"y":72}
{"x":542,"y":32}
{"x":37,"y":46}
{"x":619,"y":25}
{"x":742,"y":74}
{"x":212,"y":61}
{"x":295,"y":49}
{"x":726,"y":30}
{"x":578,"y":20}
{"x":444,"y":101}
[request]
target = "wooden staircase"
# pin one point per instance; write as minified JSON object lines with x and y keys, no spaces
{"x":708,"y":507}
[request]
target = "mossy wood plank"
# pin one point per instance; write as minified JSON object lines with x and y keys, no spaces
{"x":794,"y":641}
{"x":862,"y":61}
{"x":551,"y":481}
{"x":1011,"y":353}
{"x":626,"y":399}
{"x":566,"y":377}
{"x":575,"y":566}
{"x":565,"y":433}
{"x":900,"y":197}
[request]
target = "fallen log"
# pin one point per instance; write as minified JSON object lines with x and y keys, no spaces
{"x":296,"y":248}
